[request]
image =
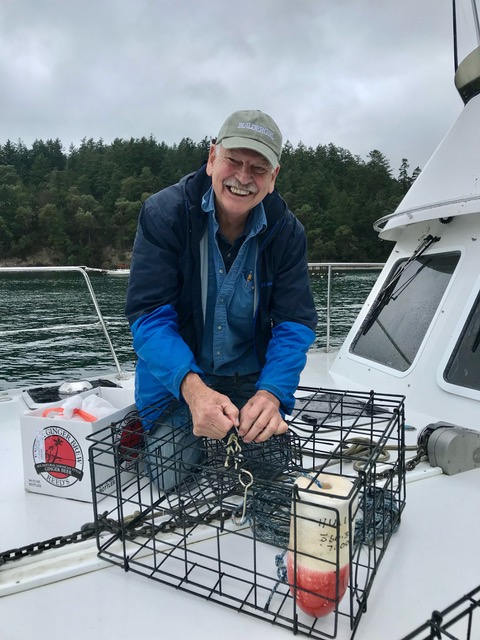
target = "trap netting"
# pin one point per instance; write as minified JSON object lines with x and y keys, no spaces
{"x":291,"y":530}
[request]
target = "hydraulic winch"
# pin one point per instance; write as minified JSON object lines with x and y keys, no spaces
{"x":451,"y":447}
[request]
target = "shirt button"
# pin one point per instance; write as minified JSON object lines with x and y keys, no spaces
{"x":219,"y":353}
{"x":219,"y":327}
{"x":221,"y":300}
{"x":220,"y":271}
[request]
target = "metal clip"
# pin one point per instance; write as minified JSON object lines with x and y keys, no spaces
{"x":246,"y":486}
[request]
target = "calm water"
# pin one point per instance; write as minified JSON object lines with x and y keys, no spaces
{"x":49,"y":329}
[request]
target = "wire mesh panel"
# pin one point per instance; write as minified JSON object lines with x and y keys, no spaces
{"x":291,"y":530}
{"x":459,"y":621}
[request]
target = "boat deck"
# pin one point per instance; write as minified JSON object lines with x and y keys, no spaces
{"x":430,"y":562}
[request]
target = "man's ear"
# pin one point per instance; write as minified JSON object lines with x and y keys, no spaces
{"x":273,"y":178}
{"x":211,"y":159}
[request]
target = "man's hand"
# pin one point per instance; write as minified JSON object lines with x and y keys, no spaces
{"x":260,"y":418}
{"x":213,"y":414}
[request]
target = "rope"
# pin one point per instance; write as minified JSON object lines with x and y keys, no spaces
{"x":315,"y":481}
{"x":268,"y":513}
{"x":380,"y":516}
{"x":267,"y":508}
{"x":281,"y":575}
{"x":233,"y":451}
{"x":269,"y":517}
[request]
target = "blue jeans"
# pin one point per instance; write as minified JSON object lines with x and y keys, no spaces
{"x":173,"y":452}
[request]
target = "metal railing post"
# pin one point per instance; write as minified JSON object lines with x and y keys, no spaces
{"x":83,"y":270}
{"x":330,"y":267}
{"x":329,"y":288}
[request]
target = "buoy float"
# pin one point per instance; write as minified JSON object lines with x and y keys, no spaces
{"x":318,"y":566}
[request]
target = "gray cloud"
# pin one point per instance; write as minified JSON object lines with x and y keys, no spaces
{"x":362,"y":75}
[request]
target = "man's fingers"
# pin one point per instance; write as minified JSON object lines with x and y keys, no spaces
{"x":260,"y":418}
{"x":213,"y":414}
{"x":260,"y":431}
{"x":212,"y":424}
{"x":231,"y":412}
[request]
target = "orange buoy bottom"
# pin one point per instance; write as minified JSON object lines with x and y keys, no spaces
{"x":316,"y":591}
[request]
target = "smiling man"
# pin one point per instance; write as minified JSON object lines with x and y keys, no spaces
{"x":219,"y":301}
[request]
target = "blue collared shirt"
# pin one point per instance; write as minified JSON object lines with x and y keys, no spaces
{"x":227,"y":346}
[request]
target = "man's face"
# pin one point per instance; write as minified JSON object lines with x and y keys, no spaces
{"x":241,"y":178}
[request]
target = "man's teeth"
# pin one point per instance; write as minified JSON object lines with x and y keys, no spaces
{"x":239,"y":192}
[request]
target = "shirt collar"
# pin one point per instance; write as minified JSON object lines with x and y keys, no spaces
{"x":257,"y":220}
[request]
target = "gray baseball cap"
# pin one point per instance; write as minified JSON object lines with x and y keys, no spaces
{"x":253,"y":130}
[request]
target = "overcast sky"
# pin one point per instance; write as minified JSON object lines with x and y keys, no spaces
{"x":362,"y":74}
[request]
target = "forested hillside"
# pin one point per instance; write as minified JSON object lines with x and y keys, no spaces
{"x":81,"y":206}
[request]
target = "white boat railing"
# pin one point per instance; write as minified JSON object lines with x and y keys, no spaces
{"x":84,"y":271}
{"x":314,"y":267}
{"x":329,"y":267}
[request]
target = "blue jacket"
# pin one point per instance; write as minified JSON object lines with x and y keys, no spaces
{"x":164,"y":299}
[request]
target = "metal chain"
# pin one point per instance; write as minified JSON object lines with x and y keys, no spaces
{"x":168,"y":526}
{"x":128,"y":530}
{"x":413,"y":462}
{"x":125,"y":530}
{"x":88,"y":530}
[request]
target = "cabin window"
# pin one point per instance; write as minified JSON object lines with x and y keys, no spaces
{"x":402,"y":312}
{"x":463,"y":368}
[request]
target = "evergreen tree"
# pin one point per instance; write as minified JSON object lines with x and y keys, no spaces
{"x":83,"y":205}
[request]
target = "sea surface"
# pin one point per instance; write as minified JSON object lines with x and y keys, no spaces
{"x":49,"y":329}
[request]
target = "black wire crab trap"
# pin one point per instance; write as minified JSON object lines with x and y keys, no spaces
{"x":459,"y":621}
{"x":291,"y":531}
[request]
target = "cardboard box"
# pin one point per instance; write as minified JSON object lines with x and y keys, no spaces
{"x":55,"y":450}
